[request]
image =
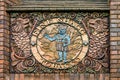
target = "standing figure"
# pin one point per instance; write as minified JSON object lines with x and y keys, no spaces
{"x":62,"y":42}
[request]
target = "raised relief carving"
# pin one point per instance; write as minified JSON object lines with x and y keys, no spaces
{"x":59,"y":42}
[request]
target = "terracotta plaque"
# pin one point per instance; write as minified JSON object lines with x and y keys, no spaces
{"x":47,"y":42}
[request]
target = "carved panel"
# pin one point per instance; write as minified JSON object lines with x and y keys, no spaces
{"x":47,"y":42}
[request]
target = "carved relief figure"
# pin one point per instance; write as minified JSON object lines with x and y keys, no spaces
{"x":62,"y":41}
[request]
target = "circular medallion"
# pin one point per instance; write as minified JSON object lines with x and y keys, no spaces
{"x":59,"y":43}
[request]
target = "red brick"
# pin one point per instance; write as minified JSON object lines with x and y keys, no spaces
{"x":1,"y":66}
{"x":115,"y":38}
{"x":115,"y":12}
{"x":113,"y":7}
{"x":1,"y":17}
{"x":2,"y":8}
{"x":118,"y":47}
{"x":6,"y":40}
{"x":112,"y":47}
{"x":114,"y":66}
{"x":115,"y":29}
{"x":2,"y":57}
{"x":1,"y":48}
{"x":1,"y":34}
{"x":118,"y":7}
{"x":2,"y":79}
{"x":113,"y":52}
{"x":4,"y":62}
{"x":1,"y":61}
{"x":6,"y":31}
{"x":115,"y":56}
{"x":115,"y":20}
{"x":113,"y":78}
{"x":115,"y":3}
{"x":118,"y":25}
{"x":115,"y":47}
{"x":113,"y":43}
{"x":1,"y":70}
{"x":117,"y":75}
{"x":4,"y":48}
{"x":113,"y":34}
{"x":113,"y":70}
{"x":118,"y":78}
{"x":118,"y":61}
{"x":119,"y":50}
{"x":119,"y":16}
{"x":113,"y":16}
{"x":118,"y":33}
{"x":1,"y":75}
{"x":1,"y":30}
{"x":113,"y":61}
{"x":2,"y":12}
{"x":2,"y":3}
{"x":5,"y":44}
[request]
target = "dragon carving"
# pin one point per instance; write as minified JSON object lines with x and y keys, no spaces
{"x":21,"y":58}
{"x":98,"y":34}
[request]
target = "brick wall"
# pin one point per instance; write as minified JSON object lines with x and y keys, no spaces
{"x":115,"y":39}
{"x":4,"y":39}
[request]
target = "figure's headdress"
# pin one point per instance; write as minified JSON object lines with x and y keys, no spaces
{"x":62,"y":26}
